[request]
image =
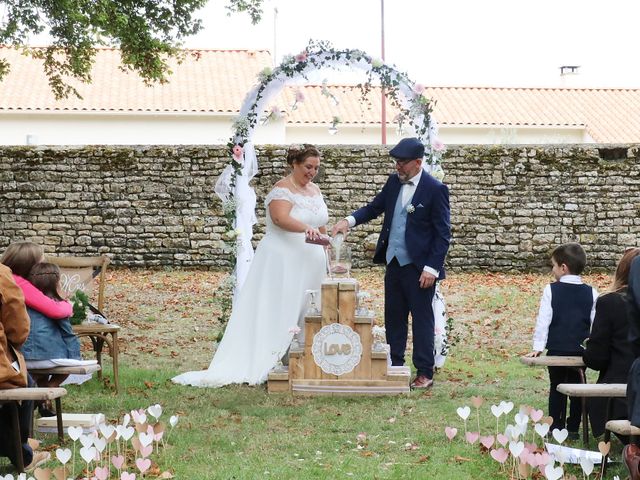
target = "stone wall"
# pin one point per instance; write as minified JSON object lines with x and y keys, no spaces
{"x":155,"y":206}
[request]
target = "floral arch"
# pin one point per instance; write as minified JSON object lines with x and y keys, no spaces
{"x":238,"y":197}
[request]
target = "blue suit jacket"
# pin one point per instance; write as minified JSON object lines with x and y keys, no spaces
{"x":428,"y":231}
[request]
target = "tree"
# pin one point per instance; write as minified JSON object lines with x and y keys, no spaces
{"x":147,"y":32}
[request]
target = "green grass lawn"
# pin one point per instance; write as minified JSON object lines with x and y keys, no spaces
{"x":241,"y":432}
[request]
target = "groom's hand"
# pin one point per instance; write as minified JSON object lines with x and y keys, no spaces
{"x":342,"y":226}
{"x":427,"y":279}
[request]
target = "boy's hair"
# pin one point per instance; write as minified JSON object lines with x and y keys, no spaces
{"x":572,"y":255}
{"x":46,"y":278}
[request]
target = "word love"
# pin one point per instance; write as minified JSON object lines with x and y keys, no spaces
{"x":336,"y":348}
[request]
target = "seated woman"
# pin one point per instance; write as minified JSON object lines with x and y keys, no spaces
{"x":49,"y":340}
{"x":607,"y":348}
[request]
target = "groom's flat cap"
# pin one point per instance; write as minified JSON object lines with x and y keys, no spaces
{"x":408,"y":149}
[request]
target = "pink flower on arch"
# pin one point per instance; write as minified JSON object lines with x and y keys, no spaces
{"x":418,"y":89}
{"x":299,"y":95}
{"x":437,"y":145}
{"x":302,"y":56}
{"x":237,"y":152}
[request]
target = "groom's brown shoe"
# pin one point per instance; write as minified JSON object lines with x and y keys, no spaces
{"x":631,"y":457}
{"x":422,"y":381}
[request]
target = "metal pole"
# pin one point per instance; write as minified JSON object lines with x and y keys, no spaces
{"x":275,"y":30}
{"x":383,"y":107}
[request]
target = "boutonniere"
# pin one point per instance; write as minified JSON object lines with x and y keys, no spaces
{"x":411,"y":208}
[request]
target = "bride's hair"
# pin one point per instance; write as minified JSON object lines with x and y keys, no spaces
{"x":299,"y":153}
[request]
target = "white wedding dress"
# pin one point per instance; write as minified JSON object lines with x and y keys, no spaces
{"x":272,"y":300}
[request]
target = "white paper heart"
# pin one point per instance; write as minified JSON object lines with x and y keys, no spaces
{"x":506,"y":407}
{"x":173,"y":421}
{"x":126,"y":419}
{"x":496,"y":410}
{"x":107,"y":430}
{"x":145,"y":439}
{"x":74,"y":433}
{"x":63,"y":455}
{"x":7,"y":477}
{"x":542,"y":429}
{"x":138,"y":417}
{"x":100,"y":444}
{"x":155,"y":411}
{"x":128,"y":432}
{"x":560,"y":435}
{"x":516,"y":448}
{"x":521,"y":419}
{"x":587,"y":466}
{"x":464,"y":412}
{"x":512,"y":432}
{"x":86,"y":440}
{"x":553,"y":473}
{"x":88,"y":454}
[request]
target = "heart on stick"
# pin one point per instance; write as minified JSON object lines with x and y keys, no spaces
{"x":63,"y":455}
{"x":502,"y":439}
{"x":487,"y":441}
{"x":101,"y":473}
{"x":496,"y":410}
{"x":88,"y":454}
{"x":155,"y":411}
{"x":553,"y":473}
{"x":536,"y":415}
{"x":516,"y":448}
{"x":587,"y":466}
{"x":42,"y":474}
{"x":146,"y":451}
{"x":86,"y":440}
{"x":477,"y":401}
{"x":560,"y":435}
{"x":100,"y":444}
{"x":500,"y":455}
{"x":464,"y":412}
{"x":506,"y":407}
{"x":60,"y":473}
{"x":450,"y":432}
{"x":173,"y":421}
{"x":472,"y":437}
{"x":541,"y":429}
{"x":604,"y":448}
{"x":128,"y":476}
{"x":118,"y":461}
{"x":143,"y":464}
{"x":74,"y":433}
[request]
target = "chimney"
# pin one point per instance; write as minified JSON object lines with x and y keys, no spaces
{"x":568,"y":75}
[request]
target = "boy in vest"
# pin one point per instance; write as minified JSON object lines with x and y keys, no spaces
{"x":564,"y":320}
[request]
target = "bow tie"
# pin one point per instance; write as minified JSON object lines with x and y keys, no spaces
{"x":408,"y":182}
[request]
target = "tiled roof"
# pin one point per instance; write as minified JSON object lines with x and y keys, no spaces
{"x":207,"y":81}
{"x":216,"y":81}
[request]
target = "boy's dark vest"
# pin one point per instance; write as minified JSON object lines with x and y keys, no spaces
{"x":571,"y":319}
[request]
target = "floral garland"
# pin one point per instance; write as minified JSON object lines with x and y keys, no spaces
{"x":408,"y":97}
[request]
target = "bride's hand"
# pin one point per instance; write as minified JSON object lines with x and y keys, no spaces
{"x":311,"y":233}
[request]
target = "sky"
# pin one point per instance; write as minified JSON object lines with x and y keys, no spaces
{"x":452,"y":42}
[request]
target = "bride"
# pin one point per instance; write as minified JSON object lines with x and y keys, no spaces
{"x":270,"y":304}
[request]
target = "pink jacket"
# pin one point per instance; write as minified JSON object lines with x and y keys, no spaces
{"x":37,"y":300}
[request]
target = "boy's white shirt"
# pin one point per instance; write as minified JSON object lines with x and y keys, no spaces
{"x":545,"y":313}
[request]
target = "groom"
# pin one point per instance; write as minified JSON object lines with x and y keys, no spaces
{"x":413,"y":244}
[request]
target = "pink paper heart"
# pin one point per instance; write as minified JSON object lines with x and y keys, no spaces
{"x":472,"y":437}
{"x":532,"y":447}
{"x":158,"y":436}
{"x":143,"y":464}
{"x":450,"y":432}
{"x":536,"y":415}
{"x":543,"y":458}
{"x":502,"y":439}
{"x":499,"y":455}
{"x":118,"y":461}
{"x":524,"y":455}
{"x":101,"y":473}
{"x":487,"y":441}
{"x":128,"y":476}
{"x":146,"y":451}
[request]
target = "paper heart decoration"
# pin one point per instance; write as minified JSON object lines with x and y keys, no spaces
{"x":74,"y":433}
{"x":158,"y":436}
{"x":145,"y":439}
{"x":547,"y":420}
{"x":560,"y":435}
{"x":141,"y":427}
{"x":527,"y":457}
{"x":496,"y":410}
{"x":63,"y":455}
{"x":516,"y":448}
{"x":173,"y":421}
{"x":450,"y":432}
{"x":7,"y":477}
{"x":146,"y":451}
{"x":101,"y":473}
{"x":128,"y":432}
{"x":472,"y":437}
{"x":604,"y":448}
{"x":155,"y":411}
{"x":502,"y":439}
{"x":500,"y":455}
{"x":536,"y":415}
{"x":524,"y":470}
{"x":487,"y":441}
{"x":100,"y":444}
{"x":464,"y":412}
{"x":143,"y":464}
{"x":86,"y":440}
{"x":107,"y":431}
{"x":553,"y":473}
{"x":60,"y":473}
{"x":587,"y":466}
{"x":42,"y":474}
{"x":521,"y":419}
{"x":544,"y":458}
{"x":541,"y":429}
{"x":88,"y":454}
{"x":476,"y":401}
{"x":506,"y":406}
{"x":126,"y":419}
{"x":118,"y":461}
{"x":135,"y":442}
{"x":128,"y":476}
{"x":138,"y":417}
{"x":512,"y":432}
{"x":160,"y":427}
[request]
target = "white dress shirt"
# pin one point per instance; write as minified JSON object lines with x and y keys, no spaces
{"x":407,"y":191}
{"x":545,"y":313}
